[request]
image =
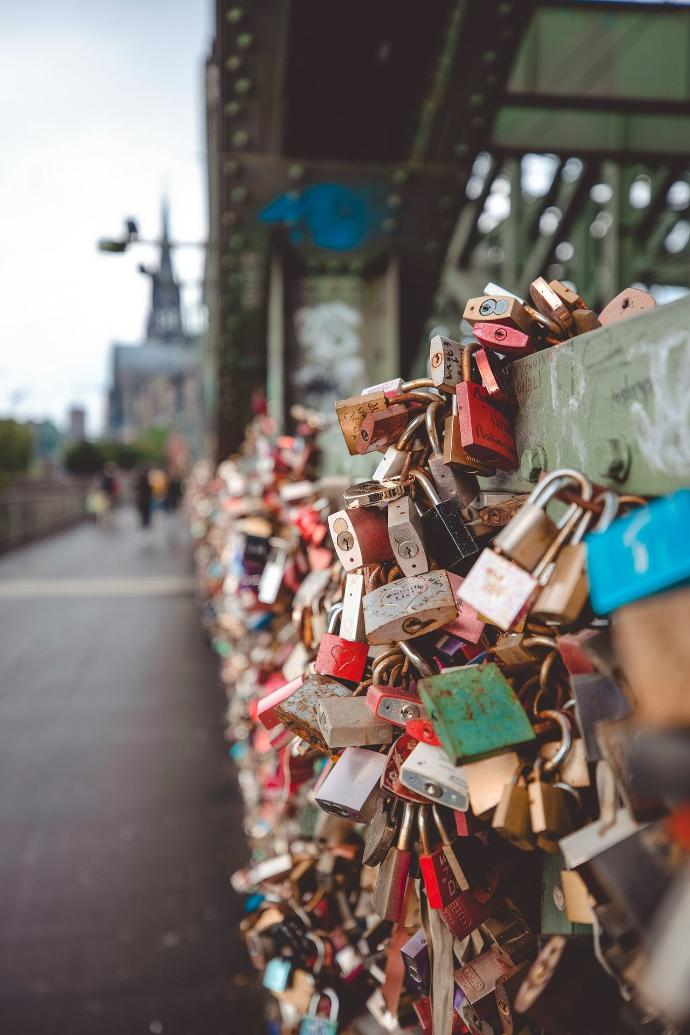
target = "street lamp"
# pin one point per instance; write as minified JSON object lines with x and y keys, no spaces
{"x":117,"y":245}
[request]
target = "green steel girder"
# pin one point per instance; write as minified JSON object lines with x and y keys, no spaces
{"x":614,"y":403}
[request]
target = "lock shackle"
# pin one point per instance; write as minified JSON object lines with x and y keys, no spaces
{"x":429,"y":491}
{"x":549,"y":486}
{"x":332,"y":998}
{"x":446,"y":839}
{"x":430,"y":418}
{"x":539,"y":641}
{"x":410,"y":431}
{"x":423,"y":827}
{"x":423,"y":667}
{"x":466,"y":365}
{"x":320,"y":952}
{"x":546,"y":321}
{"x":335,"y":613}
{"x":566,"y":738}
{"x":415,"y":383}
{"x":405,"y":832}
{"x":609,"y":510}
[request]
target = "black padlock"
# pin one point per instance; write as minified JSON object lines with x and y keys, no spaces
{"x":446,"y":536}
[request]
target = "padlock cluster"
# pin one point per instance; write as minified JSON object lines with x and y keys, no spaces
{"x":457,"y":712}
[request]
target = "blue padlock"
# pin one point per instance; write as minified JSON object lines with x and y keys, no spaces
{"x":642,"y":553}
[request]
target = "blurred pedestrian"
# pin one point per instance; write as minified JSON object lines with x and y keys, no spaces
{"x":144,"y":497}
{"x":109,"y":487}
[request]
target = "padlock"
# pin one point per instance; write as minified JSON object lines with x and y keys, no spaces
{"x":486,"y":434}
{"x":512,"y":342}
{"x":381,"y":830}
{"x":567,"y":295}
{"x":360,"y":537}
{"x":394,"y":704}
{"x":381,"y":429}
{"x":554,"y":912}
{"x":454,"y":454}
{"x":440,"y":882}
{"x":549,"y":304}
{"x":627,"y":303}
{"x":585,"y":320}
{"x":312,"y":1024}
{"x":407,"y":537}
{"x":350,"y":722}
{"x":338,"y":657}
{"x":639,"y":554}
{"x":373,"y":494}
{"x":448,"y":538}
{"x":507,"y":310}
{"x":497,"y":509}
{"x":468,"y":625}
{"x":565,"y":594}
{"x":389,"y":388}
{"x":415,"y":956}
{"x":475,"y":712}
{"x":477,"y":979}
{"x":274,"y":570}
{"x":526,"y":538}
{"x":391,"y":884}
{"x":445,"y":363}
{"x":352,"y":788}
{"x":391,"y":782}
{"x":267,"y":706}
{"x":512,"y":816}
{"x":428,"y":772}
{"x":551,"y":810}
{"x":597,"y":698}
{"x":499,"y":588}
{"x":352,"y":412}
{"x":409,"y":607}
{"x":352,"y":616}
{"x":451,"y":480}
{"x":299,"y":711}
{"x":494,"y":379}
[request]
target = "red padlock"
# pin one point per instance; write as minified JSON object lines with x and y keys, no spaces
{"x":421,"y":729}
{"x":266,"y":710}
{"x":394,"y":704}
{"x":486,"y":434}
{"x":495,"y":381}
{"x":338,"y":657}
{"x":509,"y":340}
{"x":440,"y":882}
{"x":390,"y":781}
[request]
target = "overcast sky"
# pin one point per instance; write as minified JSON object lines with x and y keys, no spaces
{"x":102,"y":109}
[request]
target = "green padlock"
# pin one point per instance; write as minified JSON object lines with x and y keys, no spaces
{"x":314,"y":1025}
{"x":474,"y":712}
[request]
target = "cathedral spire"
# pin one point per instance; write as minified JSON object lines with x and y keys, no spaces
{"x":165,"y":317}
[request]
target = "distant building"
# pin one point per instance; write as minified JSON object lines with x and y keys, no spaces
{"x":76,"y":424}
{"x":158,"y":383}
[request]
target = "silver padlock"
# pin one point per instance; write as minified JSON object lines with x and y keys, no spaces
{"x":353,"y":786}
{"x":350,"y":722}
{"x":352,"y":616}
{"x":409,"y":607}
{"x":394,"y":871}
{"x":406,"y":538}
{"x":428,"y":771}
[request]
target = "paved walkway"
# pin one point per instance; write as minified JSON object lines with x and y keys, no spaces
{"x":119,"y":813}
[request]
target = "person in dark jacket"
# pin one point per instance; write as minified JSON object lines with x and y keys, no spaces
{"x":143,"y":497}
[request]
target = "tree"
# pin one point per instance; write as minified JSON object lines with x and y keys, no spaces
{"x":84,"y":458}
{"x":16,"y":446}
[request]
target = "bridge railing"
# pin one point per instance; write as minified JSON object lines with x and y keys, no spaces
{"x":30,"y":510}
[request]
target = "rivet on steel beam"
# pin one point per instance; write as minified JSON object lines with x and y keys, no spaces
{"x":243,"y":86}
{"x":476,"y":100}
{"x":461,"y":149}
{"x":489,"y":56}
{"x":389,"y":225}
{"x":532,"y":463}
{"x":238,"y":195}
{"x":296,"y":171}
{"x":232,"y":109}
{"x":400,"y":177}
{"x":432,"y":247}
{"x":245,"y":40}
{"x":394,"y":201}
{"x":232,"y":168}
{"x":505,"y":9}
{"x":234,"y":15}
{"x":237,"y":241}
{"x":446,"y":202}
{"x":233,"y":63}
{"x":478,"y":120}
{"x":240,"y":138}
{"x":228,"y":218}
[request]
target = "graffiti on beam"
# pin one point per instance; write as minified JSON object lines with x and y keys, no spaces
{"x":327,"y":215}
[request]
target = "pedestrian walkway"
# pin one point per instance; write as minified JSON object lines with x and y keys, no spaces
{"x":120,"y":820}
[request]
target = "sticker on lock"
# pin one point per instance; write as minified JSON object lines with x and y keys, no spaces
{"x":409,"y":607}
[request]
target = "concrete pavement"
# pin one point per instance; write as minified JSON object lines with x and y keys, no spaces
{"x":120,"y":819}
